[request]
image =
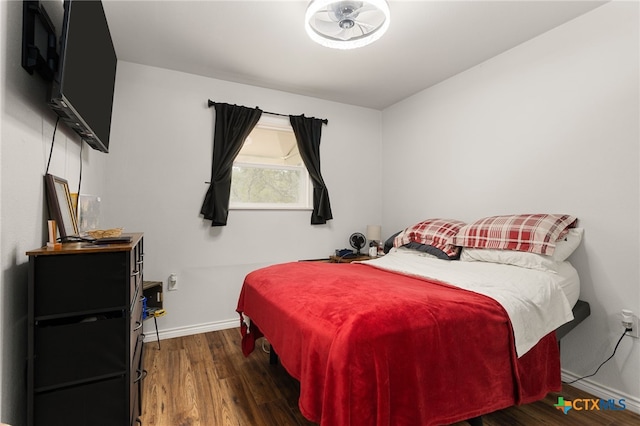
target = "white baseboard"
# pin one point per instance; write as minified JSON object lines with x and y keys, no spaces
{"x":150,"y":331}
{"x":602,"y":392}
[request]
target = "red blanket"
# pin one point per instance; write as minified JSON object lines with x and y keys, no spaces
{"x":371,"y":347}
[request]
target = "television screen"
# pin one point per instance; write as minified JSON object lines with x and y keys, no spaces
{"x":82,"y":90}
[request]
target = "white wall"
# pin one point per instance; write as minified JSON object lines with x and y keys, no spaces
{"x":160,"y":156}
{"x":549,"y":126}
{"x":27,"y":129}
{"x":567,"y":99}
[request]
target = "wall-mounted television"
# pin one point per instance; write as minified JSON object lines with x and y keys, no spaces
{"x":82,"y":88}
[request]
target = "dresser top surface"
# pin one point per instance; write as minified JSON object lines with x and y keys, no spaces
{"x":85,"y":247}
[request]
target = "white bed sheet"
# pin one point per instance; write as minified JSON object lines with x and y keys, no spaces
{"x":534,"y":300}
{"x":569,"y":282}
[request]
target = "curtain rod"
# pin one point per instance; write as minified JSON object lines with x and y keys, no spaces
{"x":325,"y":121}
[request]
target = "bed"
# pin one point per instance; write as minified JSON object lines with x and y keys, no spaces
{"x":414,"y":338}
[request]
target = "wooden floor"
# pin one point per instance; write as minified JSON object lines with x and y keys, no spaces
{"x":204,"y":380}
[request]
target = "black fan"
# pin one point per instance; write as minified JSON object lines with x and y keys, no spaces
{"x":357,"y":241}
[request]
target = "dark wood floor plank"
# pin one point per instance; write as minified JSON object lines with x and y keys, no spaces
{"x":264,"y":388}
{"x":240,"y":401}
{"x":154,"y":389}
{"x":223,"y":361}
{"x":204,"y":380}
{"x":184,"y":402}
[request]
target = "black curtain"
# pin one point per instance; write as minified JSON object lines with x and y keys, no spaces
{"x":233,"y":125}
{"x":308,"y":132}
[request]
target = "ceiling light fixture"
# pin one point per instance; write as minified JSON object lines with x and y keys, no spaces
{"x":346,"y":24}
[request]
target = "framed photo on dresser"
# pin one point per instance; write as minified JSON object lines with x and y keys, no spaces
{"x":60,"y":206}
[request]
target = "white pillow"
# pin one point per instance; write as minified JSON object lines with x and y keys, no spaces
{"x":541,"y":262}
{"x":568,"y":244}
{"x":510,"y":257}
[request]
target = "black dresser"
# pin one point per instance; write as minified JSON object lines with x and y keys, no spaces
{"x":84,"y":343}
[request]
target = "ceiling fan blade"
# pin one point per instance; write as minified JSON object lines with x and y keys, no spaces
{"x":367,"y":26}
{"x":345,"y":34}
{"x":358,"y":31}
{"x":325,"y":14}
{"x":326,"y":26}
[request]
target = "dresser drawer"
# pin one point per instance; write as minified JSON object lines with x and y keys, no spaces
{"x":79,"y":283}
{"x":97,"y":404}
{"x":86,"y":348}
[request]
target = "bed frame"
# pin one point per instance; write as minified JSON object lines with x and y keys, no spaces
{"x":581,"y":311}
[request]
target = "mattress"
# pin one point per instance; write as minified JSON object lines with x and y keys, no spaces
{"x":537,"y":302}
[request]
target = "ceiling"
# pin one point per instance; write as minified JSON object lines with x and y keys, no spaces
{"x":263,"y":43}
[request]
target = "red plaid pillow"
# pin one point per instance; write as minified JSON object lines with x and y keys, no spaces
{"x":535,"y":233}
{"x":438,"y":233}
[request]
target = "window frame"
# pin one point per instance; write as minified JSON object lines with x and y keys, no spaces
{"x":269,"y":122}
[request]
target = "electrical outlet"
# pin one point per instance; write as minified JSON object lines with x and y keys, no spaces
{"x":630,"y":320}
{"x":173,"y":282}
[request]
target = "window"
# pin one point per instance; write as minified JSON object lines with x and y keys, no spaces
{"x":268,"y":173}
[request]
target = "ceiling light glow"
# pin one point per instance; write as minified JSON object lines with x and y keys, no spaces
{"x":346,"y":24}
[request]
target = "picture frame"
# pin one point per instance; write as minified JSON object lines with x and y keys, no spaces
{"x":60,"y":206}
